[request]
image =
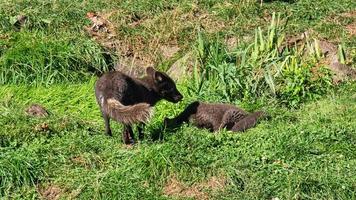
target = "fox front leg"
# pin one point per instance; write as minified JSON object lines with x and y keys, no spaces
{"x":140,"y":128}
{"x":107,"y":124}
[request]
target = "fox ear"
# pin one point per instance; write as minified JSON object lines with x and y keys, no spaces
{"x":159,"y":77}
{"x":150,"y":71}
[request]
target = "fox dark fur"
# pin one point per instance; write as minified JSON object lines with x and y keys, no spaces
{"x":215,"y":117}
{"x":129,"y":100}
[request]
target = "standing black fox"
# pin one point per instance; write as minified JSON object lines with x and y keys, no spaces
{"x":215,"y":117}
{"x":130,"y":100}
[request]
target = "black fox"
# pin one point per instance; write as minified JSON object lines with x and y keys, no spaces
{"x":215,"y":117}
{"x":129,"y":100}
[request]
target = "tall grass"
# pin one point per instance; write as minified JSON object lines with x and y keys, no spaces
{"x":45,"y":59}
{"x":19,"y":168}
{"x":264,"y":68}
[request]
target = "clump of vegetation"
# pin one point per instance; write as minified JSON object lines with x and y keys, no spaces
{"x":46,"y":59}
{"x":264,"y":68}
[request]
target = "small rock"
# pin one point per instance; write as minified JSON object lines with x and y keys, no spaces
{"x":36,"y":111}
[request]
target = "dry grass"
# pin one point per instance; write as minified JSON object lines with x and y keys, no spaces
{"x":51,"y":192}
{"x":175,"y":188}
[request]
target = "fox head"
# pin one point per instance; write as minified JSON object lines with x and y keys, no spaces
{"x":164,"y":85}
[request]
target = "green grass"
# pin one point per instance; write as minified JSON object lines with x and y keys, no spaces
{"x":261,"y":69}
{"x":305,"y":151}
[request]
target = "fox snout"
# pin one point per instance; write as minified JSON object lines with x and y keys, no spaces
{"x":173,"y":96}
{"x":177,"y":98}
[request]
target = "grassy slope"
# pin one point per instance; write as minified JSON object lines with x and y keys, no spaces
{"x":306,"y":153}
{"x":53,"y":42}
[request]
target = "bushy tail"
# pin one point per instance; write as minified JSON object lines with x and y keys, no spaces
{"x":140,"y":112}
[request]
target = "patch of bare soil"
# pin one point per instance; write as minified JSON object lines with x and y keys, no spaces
{"x":101,"y":29}
{"x":36,"y":110}
{"x":350,"y":14}
{"x":351,"y":28}
{"x":341,"y":71}
{"x":79,"y":160}
{"x":51,"y":192}
{"x":137,"y":52}
{"x":231,"y":43}
{"x":174,"y":188}
{"x":103,"y":32}
{"x":168,"y":51}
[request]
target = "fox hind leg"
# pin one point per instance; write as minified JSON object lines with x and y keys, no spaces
{"x":248,"y":122}
{"x":127,"y":135}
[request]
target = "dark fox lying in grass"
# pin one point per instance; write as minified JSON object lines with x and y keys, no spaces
{"x":215,"y":117}
{"x":129,"y":100}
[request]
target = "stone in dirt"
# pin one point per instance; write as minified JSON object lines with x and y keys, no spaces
{"x":36,"y":110}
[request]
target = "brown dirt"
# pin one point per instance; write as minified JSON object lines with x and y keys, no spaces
{"x":231,"y":43}
{"x":341,"y":71}
{"x":177,"y":189}
{"x":102,"y":30}
{"x":79,"y":160}
{"x":174,"y":188}
{"x":52,"y":192}
{"x":351,"y":28}
{"x":104,"y":33}
{"x":36,"y":110}
{"x":349,"y":14}
{"x":43,"y":127}
{"x":137,"y":52}
{"x":214,"y":183}
{"x":168,"y":51}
